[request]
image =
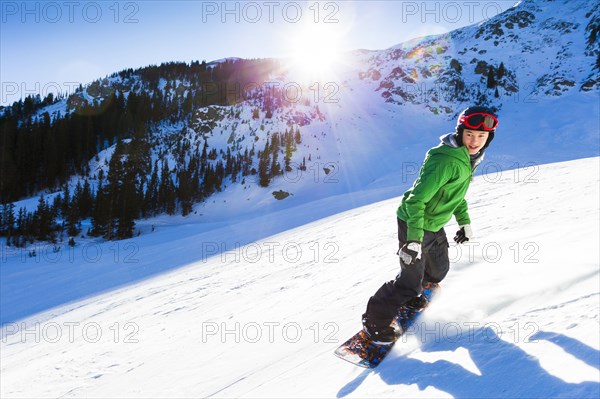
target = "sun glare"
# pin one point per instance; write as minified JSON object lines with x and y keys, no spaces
{"x":315,"y":53}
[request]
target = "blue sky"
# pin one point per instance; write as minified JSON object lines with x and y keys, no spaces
{"x":50,"y":46}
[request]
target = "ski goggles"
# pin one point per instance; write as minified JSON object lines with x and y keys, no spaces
{"x":479,"y":120}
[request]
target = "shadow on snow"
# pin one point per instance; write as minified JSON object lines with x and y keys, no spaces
{"x":506,"y":369}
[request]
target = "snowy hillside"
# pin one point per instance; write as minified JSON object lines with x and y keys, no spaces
{"x":534,"y":49}
{"x":518,"y":315}
{"x":385,"y":105}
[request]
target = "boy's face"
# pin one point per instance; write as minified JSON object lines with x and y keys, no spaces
{"x":474,"y":140}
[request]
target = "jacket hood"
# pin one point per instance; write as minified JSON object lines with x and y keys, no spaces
{"x":449,"y":140}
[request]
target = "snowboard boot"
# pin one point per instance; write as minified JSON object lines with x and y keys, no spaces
{"x":380,"y":331}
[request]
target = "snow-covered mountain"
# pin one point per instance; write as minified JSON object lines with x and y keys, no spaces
{"x":537,"y":63}
{"x":539,"y":59}
{"x":533,"y":50}
{"x":518,"y":315}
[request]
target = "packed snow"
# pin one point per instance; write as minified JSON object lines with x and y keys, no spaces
{"x":517,"y":315}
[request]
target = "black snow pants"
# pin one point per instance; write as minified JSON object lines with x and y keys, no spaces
{"x":432,"y":267}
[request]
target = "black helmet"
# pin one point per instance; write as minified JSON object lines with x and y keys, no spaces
{"x":477,"y":118}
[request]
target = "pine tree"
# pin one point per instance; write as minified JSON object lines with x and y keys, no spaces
{"x":264,"y":175}
{"x":72,"y":221}
{"x":297,"y":136}
{"x":43,"y":220}
{"x":114,"y":185}
{"x":76,"y":201}
{"x":100,"y":212}
{"x":185,"y":192}
{"x":7,"y":224}
{"x":501,"y":71}
{"x":491,"y":80}
{"x":228,"y":162}
{"x":65,"y":201}
{"x":275,"y":168}
{"x":167,"y":195}
{"x":126,"y":207}
{"x":150,"y":206}
{"x":165,"y":188}
{"x":22,"y":228}
{"x":171,"y":202}
{"x":204,"y":157}
{"x":86,"y":200}
{"x":275,"y":148}
{"x":289,"y":149}
{"x":303,"y":165}
{"x":3,"y":217}
{"x":219,"y":175}
{"x":10,"y":176}
{"x":69,"y":211}
{"x":237,"y":167}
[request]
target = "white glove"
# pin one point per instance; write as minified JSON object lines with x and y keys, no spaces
{"x":464,"y":234}
{"x":410,"y":253}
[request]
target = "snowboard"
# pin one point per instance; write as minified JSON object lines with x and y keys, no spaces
{"x":362,"y":351}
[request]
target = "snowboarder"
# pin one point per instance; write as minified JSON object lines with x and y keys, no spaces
{"x":436,"y":195}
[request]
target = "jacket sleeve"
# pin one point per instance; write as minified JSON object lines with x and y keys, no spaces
{"x":461,"y":214}
{"x":433,"y":176}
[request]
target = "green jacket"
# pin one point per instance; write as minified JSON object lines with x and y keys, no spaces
{"x":439,"y":192}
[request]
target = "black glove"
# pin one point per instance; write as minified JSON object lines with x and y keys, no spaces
{"x":464,"y":234}
{"x":410,"y":253}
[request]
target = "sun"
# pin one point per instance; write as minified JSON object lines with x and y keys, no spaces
{"x":314,"y":53}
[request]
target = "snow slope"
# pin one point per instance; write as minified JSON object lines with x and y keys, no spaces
{"x":518,"y":315}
